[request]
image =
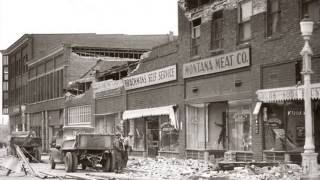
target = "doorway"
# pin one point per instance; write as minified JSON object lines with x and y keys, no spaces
{"x":153,"y":137}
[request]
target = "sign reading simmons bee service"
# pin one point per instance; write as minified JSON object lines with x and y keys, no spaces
{"x":150,"y":78}
{"x":225,"y":62}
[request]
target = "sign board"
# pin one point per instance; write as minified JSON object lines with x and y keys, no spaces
{"x":106,"y":85}
{"x":150,"y":78}
{"x":225,"y":62}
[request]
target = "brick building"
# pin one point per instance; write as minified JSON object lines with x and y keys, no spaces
{"x":236,"y":50}
{"x":5,"y":85}
{"x":42,"y":65}
{"x":228,"y":57}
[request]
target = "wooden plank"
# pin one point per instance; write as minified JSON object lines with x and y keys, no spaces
{"x":118,"y":176}
{"x":81,"y":176}
{"x":25,"y":161}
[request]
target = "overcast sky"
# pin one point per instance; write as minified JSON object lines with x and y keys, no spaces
{"x":18,"y":17}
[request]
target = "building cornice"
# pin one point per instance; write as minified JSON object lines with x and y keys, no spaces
{"x":16,"y":44}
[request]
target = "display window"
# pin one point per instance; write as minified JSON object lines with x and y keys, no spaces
{"x":153,"y":134}
{"x":283,"y":125}
{"x":139,"y":134}
{"x":169,"y":135}
{"x":239,"y":125}
{"x":196,"y":126}
{"x":206,"y":126}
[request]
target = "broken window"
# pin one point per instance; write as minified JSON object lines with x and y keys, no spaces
{"x":273,"y":17}
{"x":217,"y":30}
{"x":195,"y":36}
{"x":244,"y":20}
{"x":311,"y":8}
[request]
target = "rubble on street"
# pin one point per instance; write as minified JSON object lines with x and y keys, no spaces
{"x":171,"y":168}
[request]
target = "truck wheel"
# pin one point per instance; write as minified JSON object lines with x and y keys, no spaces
{"x":53,"y":164}
{"x":68,"y":162}
{"x":74,"y":162}
{"x":107,"y":163}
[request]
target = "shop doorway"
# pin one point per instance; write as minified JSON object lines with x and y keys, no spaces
{"x":152,"y":140}
{"x":217,"y":137}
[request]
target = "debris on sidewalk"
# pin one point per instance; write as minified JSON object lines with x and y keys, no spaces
{"x":171,"y":168}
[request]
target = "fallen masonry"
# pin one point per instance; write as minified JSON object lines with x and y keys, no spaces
{"x":163,"y":168}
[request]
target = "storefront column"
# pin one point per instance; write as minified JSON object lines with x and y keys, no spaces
{"x":131,"y":130}
{"x":43,"y":131}
{"x":47,"y":130}
{"x":28,"y":122}
{"x":23,"y":117}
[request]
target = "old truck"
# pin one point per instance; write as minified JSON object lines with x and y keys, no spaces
{"x":29,"y":144}
{"x":87,"y":149}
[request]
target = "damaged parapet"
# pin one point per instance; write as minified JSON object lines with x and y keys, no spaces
{"x":143,"y":56}
{"x":205,"y":8}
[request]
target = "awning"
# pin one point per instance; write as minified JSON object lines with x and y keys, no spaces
{"x":164,"y":110}
{"x":287,"y":93}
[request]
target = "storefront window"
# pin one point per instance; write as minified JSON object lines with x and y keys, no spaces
{"x":284,"y":126}
{"x":196,"y":126}
{"x":239,"y":125}
{"x":169,"y":135}
{"x":295,"y":126}
{"x":139,"y":134}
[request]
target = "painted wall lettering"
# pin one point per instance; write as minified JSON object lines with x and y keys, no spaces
{"x":225,"y":62}
{"x":150,"y":78}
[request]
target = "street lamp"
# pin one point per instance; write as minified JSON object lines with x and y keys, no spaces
{"x":309,"y":157}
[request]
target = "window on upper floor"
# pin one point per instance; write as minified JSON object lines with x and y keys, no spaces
{"x":5,"y":69}
{"x":312,"y":9}
{"x":244,"y":20}
{"x":195,"y":36}
{"x":273,"y":17}
{"x":5,"y":86}
{"x":5,"y":77}
{"x":5,"y":111}
{"x":217,"y":30}
{"x":4,"y":60}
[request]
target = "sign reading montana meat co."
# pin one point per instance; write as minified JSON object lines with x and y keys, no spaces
{"x":150,"y":78}
{"x":225,"y":62}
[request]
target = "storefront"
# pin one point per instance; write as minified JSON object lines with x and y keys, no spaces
{"x":154,"y":130}
{"x":153,"y":111}
{"x":219,"y":106}
{"x":282,"y":114}
{"x":216,"y":127}
{"x":109,"y":104}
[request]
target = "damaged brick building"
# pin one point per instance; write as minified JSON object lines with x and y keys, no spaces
{"x":226,"y":87}
{"x":41,"y":67}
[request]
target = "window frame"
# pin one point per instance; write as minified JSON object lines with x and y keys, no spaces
{"x":195,"y":36}
{"x":241,"y":22}
{"x":270,"y":20}
{"x":216,"y":31}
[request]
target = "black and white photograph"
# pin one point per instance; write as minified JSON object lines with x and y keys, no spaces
{"x":160,"y":89}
